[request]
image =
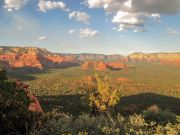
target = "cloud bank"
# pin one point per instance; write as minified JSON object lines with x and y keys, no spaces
{"x":12,"y":5}
{"x":132,"y":14}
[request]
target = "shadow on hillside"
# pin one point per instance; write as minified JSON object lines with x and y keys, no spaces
{"x":72,"y":104}
{"x":75,"y":104}
{"x":138,"y":103}
{"x":26,"y":73}
{"x":20,"y":76}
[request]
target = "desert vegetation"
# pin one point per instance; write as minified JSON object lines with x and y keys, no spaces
{"x":82,"y":102}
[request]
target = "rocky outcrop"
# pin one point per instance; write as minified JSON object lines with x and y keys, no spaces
{"x":103,"y":65}
{"x":32,"y":57}
{"x":34,"y":105}
{"x":166,"y":58}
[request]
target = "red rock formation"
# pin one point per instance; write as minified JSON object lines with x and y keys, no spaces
{"x":165,"y":58}
{"x":34,"y":105}
{"x":19,"y":57}
{"x":87,"y":65}
{"x":55,"y":58}
{"x":116,"y":65}
{"x":100,"y":66}
{"x":103,"y":65}
{"x":34,"y":102}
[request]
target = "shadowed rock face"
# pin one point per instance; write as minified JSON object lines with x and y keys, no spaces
{"x":34,"y":105}
{"x":38,"y":58}
{"x":166,"y":58}
{"x":103,"y":65}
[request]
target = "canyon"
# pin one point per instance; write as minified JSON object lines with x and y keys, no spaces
{"x":42,"y":59}
{"x":32,"y":57}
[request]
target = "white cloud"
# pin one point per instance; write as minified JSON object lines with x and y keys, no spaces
{"x":11,"y":5}
{"x":87,"y":32}
{"x":127,"y":20}
{"x":129,"y":14}
{"x":156,"y":17}
{"x":41,"y":38}
{"x":139,"y":29}
{"x":72,"y":31}
{"x":145,"y":6}
{"x":172,"y":31}
{"x":80,"y":16}
{"x":49,"y":5}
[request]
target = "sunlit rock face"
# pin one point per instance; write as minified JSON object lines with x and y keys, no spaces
{"x":103,"y":65}
{"x":167,"y":58}
{"x":32,"y":57}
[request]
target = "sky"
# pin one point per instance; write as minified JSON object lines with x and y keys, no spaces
{"x":92,"y":26}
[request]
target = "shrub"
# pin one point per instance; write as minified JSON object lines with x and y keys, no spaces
{"x":14,"y":115}
{"x":101,"y":125}
{"x":103,"y":97}
{"x":154,"y":113}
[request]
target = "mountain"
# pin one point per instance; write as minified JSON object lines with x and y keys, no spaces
{"x":166,"y":58}
{"x":40,"y":58}
{"x":32,"y":57}
{"x":95,"y":57}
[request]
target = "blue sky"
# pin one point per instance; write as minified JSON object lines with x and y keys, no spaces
{"x":92,"y":26}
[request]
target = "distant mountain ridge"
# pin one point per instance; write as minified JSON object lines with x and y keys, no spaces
{"x":91,"y":57}
{"x":171,"y":58}
{"x":32,"y":57}
{"x":40,"y":58}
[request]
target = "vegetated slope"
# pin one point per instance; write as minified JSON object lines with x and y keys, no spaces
{"x":166,"y":58}
{"x":149,"y":84}
{"x":32,"y":57}
{"x":146,"y":77}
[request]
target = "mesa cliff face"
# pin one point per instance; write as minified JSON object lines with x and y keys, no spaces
{"x":103,"y":65}
{"x":32,"y":57}
{"x":166,"y":58}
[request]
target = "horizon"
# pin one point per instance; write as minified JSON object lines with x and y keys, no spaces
{"x":92,"y":26}
{"x":88,"y":52}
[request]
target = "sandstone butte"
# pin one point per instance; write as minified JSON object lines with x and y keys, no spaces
{"x":165,"y":58}
{"x":103,"y":65}
{"x":34,"y":105}
{"x":17,"y":57}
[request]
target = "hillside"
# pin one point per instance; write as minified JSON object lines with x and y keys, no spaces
{"x":167,"y":58}
{"x":32,"y":57}
{"x":40,"y":58}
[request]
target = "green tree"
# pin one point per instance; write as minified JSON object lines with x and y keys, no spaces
{"x":103,"y":97}
{"x":15,"y":118}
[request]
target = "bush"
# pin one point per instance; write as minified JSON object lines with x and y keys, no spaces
{"x":154,"y":113}
{"x":103,"y":97}
{"x":14,"y":115}
{"x":101,"y":125}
